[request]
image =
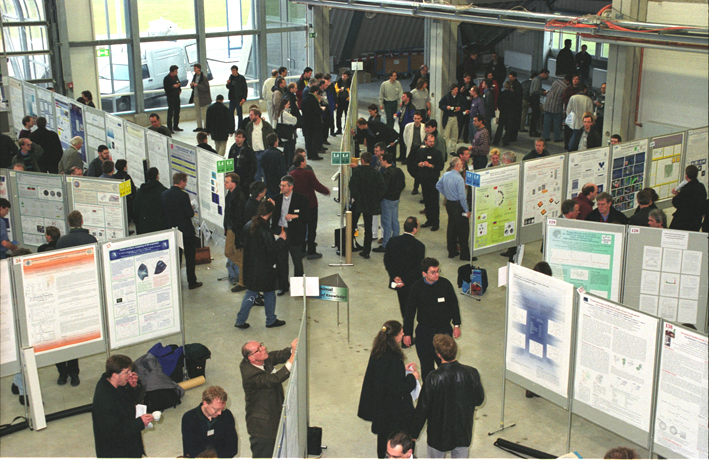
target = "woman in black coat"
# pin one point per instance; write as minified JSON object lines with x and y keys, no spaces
{"x":386,"y":392}
{"x":260,"y":274}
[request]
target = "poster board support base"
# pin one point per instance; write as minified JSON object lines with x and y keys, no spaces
{"x":502,"y":428}
{"x":34,"y":390}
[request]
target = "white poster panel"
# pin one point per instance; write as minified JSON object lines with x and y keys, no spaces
{"x":115,"y":136}
{"x":142,"y":278}
{"x":99,"y":202}
{"x":62,"y":298}
{"x":76,"y":115}
{"x":211,"y":187}
{"x":615,"y":361}
{"x":183,"y":158}
{"x":8,"y":339}
{"x":628,"y":173}
{"x":539,"y":323}
{"x":666,"y":165}
{"x":588,"y":167}
{"x":30,"y":94}
{"x":5,"y":193}
{"x":681,"y":416}
{"x":41,"y":203}
{"x":16,"y":105}
{"x":95,"y":123}
{"x":542,"y":188}
{"x":495,"y":206}
{"x":61,"y":112}
{"x":135,"y":151}
{"x":158,"y":153}
{"x":45,"y":104}
{"x":697,"y":153}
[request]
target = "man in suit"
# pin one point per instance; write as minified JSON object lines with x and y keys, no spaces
{"x":273,"y":165}
{"x":220,"y":124}
{"x":291,"y":213}
{"x":689,"y":202}
{"x":367,"y":190}
{"x":179,"y":213}
{"x":402,"y":261}
{"x":263,"y":392}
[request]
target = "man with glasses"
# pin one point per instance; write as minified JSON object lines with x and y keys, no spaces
{"x":263,"y":391}
{"x":434,"y":303}
{"x":210,"y":426}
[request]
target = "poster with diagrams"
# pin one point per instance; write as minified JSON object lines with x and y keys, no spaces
{"x":666,"y":165}
{"x":211,"y":187}
{"x":100,"y":204}
{"x":63,"y":118}
{"x":615,"y":366}
{"x":5,"y":193}
{"x":539,"y":325}
{"x":45,"y":104}
{"x":30,"y":92}
{"x":183,"y":158}
{"x":628,"y":174}
{"x":135,"y":151}
{"x":95,"y":124}
{"x":8,"y":340}
{"x":158,"y":154}
{"x":115,"y":136}
{"x":142,"y":278}
{"x":542,"y":189}
{"x":76,"y":115}
{"x":697,"y":153}
{"x":41,"y":203}
{"x":588,"y":167}
{"x":681,"y":415}
{"x":62,"y":298}
{"x":16,"y":105}
{"x":586,"y":254}
{"x":495,"y":205}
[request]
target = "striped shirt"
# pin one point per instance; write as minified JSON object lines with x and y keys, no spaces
{"x":553,"y":103}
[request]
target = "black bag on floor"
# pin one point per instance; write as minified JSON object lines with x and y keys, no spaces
{"x":196,"y":356}
{"x":314,"y":440}
{"x":475,"y":276}
{"x":355,"y":246}
{"x":161,"y":399}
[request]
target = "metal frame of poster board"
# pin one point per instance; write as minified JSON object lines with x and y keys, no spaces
{"x":640,"y":238}
{"x":697,"y":140}
{"x":110,"y":187}
{"x":579,"y":227}
{"x":683,"y":394}
{"x":534,"y":231}
{"x":677,"y":165}
{"x":7,"y":292}
{"x":575,"y":184}
{"x":136,"y":246}
{"x":609,"y":422}
{"x":475,"y":222}
{"x":62,"y":258}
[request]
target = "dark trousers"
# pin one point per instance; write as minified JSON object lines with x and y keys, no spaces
{"x":328,"y":126}
{"x":342,"y":107}
{"x":463,"y":128}
{"x":568,"y":132}
{"x":189,"y":253}
{"x":312,"y":141}
{"x":458,"y":230}
{"x":390,"y":109}
{"x":70,"y":367}
{"x":515,"y":122}
{"x":288,"y":152}
{"x":234,"y":105}
{"x":424,"y":347}
{"x":262,"y":448}
{"x":296,"y":253}
{"x":402,"y":295}
{"x":506,"y":125}
{"x":173,"y":112}
{"x":534,"y":127}
{"x":312,"y":229}
{"x":367,"y":229}
{"x":430,"y":200}
{"x":479,"y":161}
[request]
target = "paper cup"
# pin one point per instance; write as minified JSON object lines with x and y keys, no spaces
{"x":156,"y":415}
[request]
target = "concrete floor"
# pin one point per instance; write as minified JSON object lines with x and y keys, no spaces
{"x":336,"y":366}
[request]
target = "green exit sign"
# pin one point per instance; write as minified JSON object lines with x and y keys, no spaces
{"x":225,"y":166}
{"x":313,"y":35}
{"x":103,"y":52}
{"x":340,"y":158}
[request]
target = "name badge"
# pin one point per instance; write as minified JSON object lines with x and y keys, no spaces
{"x":296,"y":211}
{"x":441,"y":299}
{"x":428,"y":158}
{"x":210,"y":433}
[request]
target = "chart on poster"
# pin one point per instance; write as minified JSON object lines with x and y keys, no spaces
{"x":115,"y":136}
{"x":158,"y":154}
{"x":41,"y":203}
{"x":495,"y":207}
{"x":628,"y":173}
{"x":101,"y":206}
{"x":697,"y":153}
{"x":542,"y":189}
{"x":666,"y":165}
{"x":588,"y":167}
{"x":211,"y":187}
{"x":135,"y":151}
{"x":45,"y":104}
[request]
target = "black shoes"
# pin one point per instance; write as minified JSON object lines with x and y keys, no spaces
{"x":15,"y":390}
{"x":62,"y":379}
{"x":426,"y":225}
{"x":177,"y":128}
{"x":434,"y":228}
{"x":195,"y":285}
{"x":238,"y":288}
{"x":284,"y":291}
{"x":453,"y":255}
{"x":414,"y":192}
{"x":366,"y":256}
{"x":276,"y":323}
{"x":379,"y":249}
{"x":243,"y":326}
{"x":317,"y":255}
{"x":75,"y":380}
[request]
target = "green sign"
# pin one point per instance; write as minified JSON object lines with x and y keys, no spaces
{"x":333,"y":293}
{"x":313,"y":35}
{"x":225,"y":166}
{"x":340,"y":158}
{"x":103,"y":52}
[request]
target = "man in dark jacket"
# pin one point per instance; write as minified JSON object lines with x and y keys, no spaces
{"x":116,"y":428}
{"x":452,"y":107}
{"x":375,"y":132}
{"x":448,"y":401}
{"x":291,"y":213}
{"x":565,"y":62}
{"x":234,"y":222}
{"x":95,"y":167}
{"x":28,"y":155}
{"x":430,"y":164}
{"x":8,"y":150}
{"x":210,"y":426}
{"x":173,"y":88}
{"x":219,"y":124}
{"x":148,"y":209}
{"x":238,"y":92}
{"x":245,"y":163}
{"x":402,"y":261}
{"x":50,"y":143}
{"x":367,"y":190}
{"x":312,"y":123}
{"x":273,"y":164}
{"x":605,"y":212}
{"x":394,"y":184}
{"x":539,"y":150}
{"x":689,"y":202}
{"x":588,"y":138}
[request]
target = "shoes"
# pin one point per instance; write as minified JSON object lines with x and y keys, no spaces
{"x":453,"y":255}
{"x":75,"y":380}
{"x":15,"y":390}
{"x":434,"y":228}
{"x":415,"y":192}
{"x":510,"y":252}
{"x":243,"y":326}
{"x":379,"y":249}
{"x":529,"y":394}
{"x":259,"y":301}
{"x":495,"y":143}
{"x":338,"y":132}
{"x":276,"y":323}
{"x":62,"y":379}
{"x":197,"y":130}
{"x":322,"y":151}
{"x":238,"y":288}
{"x":177,"y":128}
{"x":317,"y":255}
{"x":283,"y":292}
{"x":535,"y":134}
{"x":326,"y":143}
{"x":366,"y":256}
{"x":560,"y":140}
{"x":195,"y":285}
{"x":426,"y":225}
{"x":423,"y":211}
{"x":474,"y":258}
{"x":171,"y":131}
{"x":22,"y":400}
{"x":422,"y":201}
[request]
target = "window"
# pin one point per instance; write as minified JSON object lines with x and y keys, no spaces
{"x":109,"y":18}
{"x":221,"y":55}
{"x":228,"y":15}
{"x":163,"y":17}
{"x":25,"y":38}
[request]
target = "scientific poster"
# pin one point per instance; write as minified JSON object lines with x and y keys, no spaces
{"x":62,"y":298}
{"x":666,"y":165}
{"x":542,"y":189}
{"x":41,"y":203}
{"x":115,"y":136}
{"x":183,"y":158}
{"x":697,"y":153}
{"x":681,"y":417}
{"x":158,"y":155}
{"x":135,"y":152}
{"x":211,"y":187}
{"x":495,"y":207}
{"x":95,"y":132}
{"x":45,"y":104}
{"x":61,"y":112}
{"x":99,"y":202}
{"x":592,"y":259}
{"x":76,"y":115}
{"x":30,"y":94}
{"x":588,"y":167}
{"x":8,"y":339}
{"x":142,"y":277}
{"x":615,"y":360}
{"x":539,"y":322}
{"x":628,"y":174}
{"x":16,"y":105}
{"x":5,"y":193}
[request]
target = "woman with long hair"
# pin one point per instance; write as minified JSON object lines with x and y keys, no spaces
{"x":386,"y":391}
{"x":285,"y":128}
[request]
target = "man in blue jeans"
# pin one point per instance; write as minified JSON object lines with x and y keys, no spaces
{"x":394,"y":183}
{"x":554,"y":110}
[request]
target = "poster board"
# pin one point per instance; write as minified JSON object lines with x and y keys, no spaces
{"x":158,"y":156}
{"x":95,"y":123}
{"x":16,"y":105}
{"x":614,"y":372}
{"x":587,"y":167}
{"x":666,"y":274}
{"x":183,"y":158}
{"x":101,"y":205}
{"x":45,"y":105}
{"x":628,"y":173}
{"x":142,"y":279}
{"x":116,"y":136}
{"x":495,"y":209}
{"x":30,"y":95}
{"x":77,"y":119}
{"x":211,"y":187}
{"x":5,"y":193}
{"x":681,"y":405}
{"x":666,"y":165}
{"x":63,"y":119}
{"x":61,"y":306}
{"x":135,"y":151}
{"x":586,"y":254}
{"x":539,"y":324}
{"x":542,"y":193}
{"x":9,"y":351}
{"x":697,"y":153}
{"x":39,"y":202}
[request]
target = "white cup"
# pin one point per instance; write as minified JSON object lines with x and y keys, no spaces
{"x":156,"y":415}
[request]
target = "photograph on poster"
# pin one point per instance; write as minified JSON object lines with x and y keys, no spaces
{"x":628,"y":173}
{"x":541,"y":193}
{"x":41,"y":204}
{"x":211,"y":187}
{"x":495,"y":207}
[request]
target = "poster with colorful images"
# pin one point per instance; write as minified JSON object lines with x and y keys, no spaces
{"x":542,"y":189}
{"x":697,"y":152}
{"x":666,"y":166}
{"x":628,"y":174}
{"x":495,"y":206}
{"x":76,"y":116}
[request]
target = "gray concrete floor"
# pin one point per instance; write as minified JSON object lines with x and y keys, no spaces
{"x":336,"y":366}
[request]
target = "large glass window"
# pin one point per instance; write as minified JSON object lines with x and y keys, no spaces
{"x":280,"y":13}
{"x":228,"y":15}
{"x":221,"y":55}
{"x":166,"y":17}
{"x":19,"y":38}
{"x":287,"y":49}
{"x":109,"y":18}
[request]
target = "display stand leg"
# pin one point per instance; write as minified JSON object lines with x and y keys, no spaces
{"x":338,"y":314}
{"x":33,"y":391}
{"x":568,"y":433}
{"x":347,"y":244}
{"x":502,"y":411}
{"x":348,"y":318}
